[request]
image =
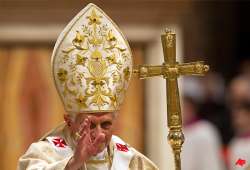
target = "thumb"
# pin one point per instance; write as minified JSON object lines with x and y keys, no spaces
{"x":99,"y":139}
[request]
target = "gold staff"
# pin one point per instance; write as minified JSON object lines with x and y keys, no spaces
{"x":171,"y":70}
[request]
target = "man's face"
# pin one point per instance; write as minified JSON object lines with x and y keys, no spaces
{"x":100,"y":124}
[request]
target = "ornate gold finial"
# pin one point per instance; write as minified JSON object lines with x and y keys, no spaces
{"x":206,"y":68}
{"x":168,"y":31}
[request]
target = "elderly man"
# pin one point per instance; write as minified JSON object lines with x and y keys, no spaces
{"x":91,"y":66}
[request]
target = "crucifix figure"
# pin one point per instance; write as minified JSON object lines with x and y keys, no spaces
{"x":171,"y":70}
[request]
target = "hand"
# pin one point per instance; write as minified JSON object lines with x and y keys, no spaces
{"x":87,"y":145}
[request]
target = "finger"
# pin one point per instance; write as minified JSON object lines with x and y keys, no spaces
{"x":84,"y":140}
{"x":97,"y":144}
{"x":84,"y":127}
{"x":81,"y":126}
{"x":87,"y":123}
{"x":99,"y":139}
{"x":92,"y":119}
{"x":80,"y":134}
{"x":80,"y":130}
{"x":85,"y":132}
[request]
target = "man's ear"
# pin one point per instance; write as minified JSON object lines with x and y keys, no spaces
{"x":68,"y":120}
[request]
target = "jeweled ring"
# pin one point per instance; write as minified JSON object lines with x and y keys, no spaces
{"x":78,"y":136}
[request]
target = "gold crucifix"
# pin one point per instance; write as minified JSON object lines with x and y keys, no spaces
{"x":171,"y":70}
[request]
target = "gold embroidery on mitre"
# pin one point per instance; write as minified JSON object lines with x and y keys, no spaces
{"x":92,"y":64}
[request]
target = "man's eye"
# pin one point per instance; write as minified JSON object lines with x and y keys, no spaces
{"x":92,"y":126}
{"x":106,"y":125}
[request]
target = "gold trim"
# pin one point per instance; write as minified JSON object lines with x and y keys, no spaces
{"x":106,"y":160}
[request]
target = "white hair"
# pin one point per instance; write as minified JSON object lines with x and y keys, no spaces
{"x":73,"y":116}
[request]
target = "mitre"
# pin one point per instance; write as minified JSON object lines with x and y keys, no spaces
{"x":91,"y":63}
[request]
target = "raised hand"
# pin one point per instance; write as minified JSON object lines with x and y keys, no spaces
{"x":89,"y":143}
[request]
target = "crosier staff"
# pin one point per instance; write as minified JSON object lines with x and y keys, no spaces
{"x":171,"y":70}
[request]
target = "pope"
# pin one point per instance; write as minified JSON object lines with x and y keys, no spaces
{"x":91,"y":67}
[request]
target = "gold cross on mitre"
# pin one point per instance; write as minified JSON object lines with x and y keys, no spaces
{"x":171,"y":70}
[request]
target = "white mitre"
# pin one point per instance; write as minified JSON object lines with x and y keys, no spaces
{"x":91,"y":63}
